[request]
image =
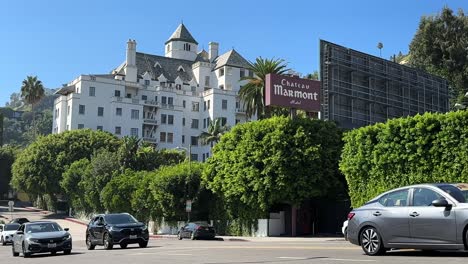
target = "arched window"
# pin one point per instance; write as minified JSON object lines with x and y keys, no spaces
{"x":180,"y":69}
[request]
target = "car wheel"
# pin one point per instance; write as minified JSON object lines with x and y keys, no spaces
{"x":345,"y":234}
{"x":143,"y":244}
{"x":15,"y":254}
{"x":67,"y":252}
{"x":123,"y":245}
{"x":25,"y":254}
{"x":3,"y":241}
{"x":179,"y":236}
{"x":371,"y":242}
{"x":89,"y":243}
{"x":107,"y":242}
{"x":192,"y":236}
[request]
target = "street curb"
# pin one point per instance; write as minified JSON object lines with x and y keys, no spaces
{"x":163,"y":236}
{"x":74,"y":220}
{"x":33,"y":209}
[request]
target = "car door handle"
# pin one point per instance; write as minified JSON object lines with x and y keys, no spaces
{"x":377,"y":213}
{"x":414,"y":214}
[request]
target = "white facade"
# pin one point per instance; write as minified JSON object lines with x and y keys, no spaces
{"x":167,"y":100}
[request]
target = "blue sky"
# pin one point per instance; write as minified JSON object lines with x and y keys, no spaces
{"x":59,"y":40}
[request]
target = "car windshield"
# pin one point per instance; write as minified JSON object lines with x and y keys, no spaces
{"x":43,"y":227}
{"x":120,"y":219}
{"x":11,"y":227}
{"x":455,"y":190}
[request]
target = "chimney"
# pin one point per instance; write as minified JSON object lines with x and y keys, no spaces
{"x":131,"y":52}
{"x":213,"y":50}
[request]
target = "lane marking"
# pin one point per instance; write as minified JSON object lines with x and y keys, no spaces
{"x":291,"y":258}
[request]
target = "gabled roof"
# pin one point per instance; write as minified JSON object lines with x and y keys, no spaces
{"x":182,"y":34}
{"x":169,"y":67}
{"x":202,"y":56}
{"x":231,"y":58}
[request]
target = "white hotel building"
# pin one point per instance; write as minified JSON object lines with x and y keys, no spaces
{"x":167,"y":100}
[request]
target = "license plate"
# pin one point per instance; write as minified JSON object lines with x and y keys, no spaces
{"x":133,"y":236}
{"x":52,"y":245}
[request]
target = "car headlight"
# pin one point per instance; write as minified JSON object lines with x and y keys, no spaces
{"x":145,"y":228}
{"x":114,"y":228}
{"x":35,"y":240}
{"x":67,"y":237}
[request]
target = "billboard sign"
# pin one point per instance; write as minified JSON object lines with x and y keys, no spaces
{"x":292,"y":92}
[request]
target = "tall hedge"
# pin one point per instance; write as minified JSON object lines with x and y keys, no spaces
{"x":427,"y":148}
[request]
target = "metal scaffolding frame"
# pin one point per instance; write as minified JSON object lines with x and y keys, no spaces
{"x":359,"y":89}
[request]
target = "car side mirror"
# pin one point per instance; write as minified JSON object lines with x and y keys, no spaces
{"x":66,"y":229}
{"x":440,"y":203}
{"x":19,"y":232}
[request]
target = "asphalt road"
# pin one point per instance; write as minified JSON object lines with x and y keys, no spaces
{"x":290,"y":251}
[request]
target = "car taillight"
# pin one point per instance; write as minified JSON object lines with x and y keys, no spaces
{"x":200,"y":227}
{"x":350,"y":216}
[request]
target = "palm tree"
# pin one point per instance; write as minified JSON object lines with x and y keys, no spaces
{"x":253,"y":93}
{"x":380,"y":47}
{"x":214,"y":133}
{"x":32,"y":91}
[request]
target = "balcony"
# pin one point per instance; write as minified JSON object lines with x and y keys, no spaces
{"x":151,"y":103}
{"x":167,"y":106}
{"x":240,"y":111}
{"x":150,"y":121}
{"x":150,"y":139}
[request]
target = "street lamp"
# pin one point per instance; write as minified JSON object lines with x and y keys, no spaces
{"x":187,"y":201}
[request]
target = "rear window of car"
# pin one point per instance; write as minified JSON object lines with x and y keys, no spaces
{"x":11,"y":227}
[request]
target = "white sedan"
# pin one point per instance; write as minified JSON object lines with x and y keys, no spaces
{"x":344,"y":229}
{"x":7,"y":233}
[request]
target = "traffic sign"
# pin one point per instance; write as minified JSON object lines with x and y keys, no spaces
{"x":188,"y":206}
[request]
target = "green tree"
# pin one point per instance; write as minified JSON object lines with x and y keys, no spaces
{"x":276,"y":160}
{"x":439,"y":47}
{"x":253,"y":93}
{"x":313,"y":76}
{"x":72,"y":186}
{"x":116,"y":196}
{"x":38,"y":169}
{"x":214,"y":132}
{"x":32,"y":91}
{"x":128,"y":152}
{"x":7,"y":157}
{"x":404,"y":151}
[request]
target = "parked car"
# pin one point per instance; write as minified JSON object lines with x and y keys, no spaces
{"x":40,"y":237}
{"x":344,"y":229}
{"x":424,"y":216}
{"x":19,"y":220}
{"x":110,"y":229}
{"x":196,"y":230}
{"x":7,"y":233}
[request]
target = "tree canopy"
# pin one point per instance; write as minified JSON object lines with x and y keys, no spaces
{"x":275,"y":160}
{"x":421,"y":149}
{"x":440,"y":47}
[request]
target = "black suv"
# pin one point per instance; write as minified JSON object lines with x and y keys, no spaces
{"x":110,"y":229}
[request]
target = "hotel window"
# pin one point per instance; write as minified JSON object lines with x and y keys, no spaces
{"x":118,"y":111}
{"x":221,"y":72}
{"x":99,"y":128}
{"x":168,"y":47}
{"x":163,"y":100}
{"x":221,"y":87}
{"x":118,"y":130}
{"x":117,"y":93}
{"x":224,"y":104}
{"x":195,"y":107}
{"x":134,"y":132}
{"x":237,"y":121}
{"x":170,"y":100}
{"x":162,"y":136}
{"x":163,"y":118}
{"x":208,"y":104}
{"x":193,"y":89}
{"x":144,"y":97}
{"x":170,"y":137}
{"x":204,"y":122}
{"x":187,"y":47}
{"x":183,"y":139}
{"x":237,"y":105}
{"x":194,"y":141}
{"x":204,"y":106}
{"x":100,"y":111}
{"x":194,"y":123}
{"x":156,"y":98}
{"x":92,"y":91}
{"x":194,"y":157}
{"x":178,"y":86}
{"x":251,"y":74}
{"x":81,"y":109}
{"x":183,"y":103}
{"x":129,"y":95}
{"x":183,"y":121}
{"x":203,"y":157}
{"x":207,"y":81}
{"x":147,"y":82}
{"x":170,"y":119}
{"x":242,"y":73}
{"x":57,"y":112}
{"x":223,"y":121}
{"x":68,"y":110}
{"x":135,"y":114}
{"x":80,"y":126}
